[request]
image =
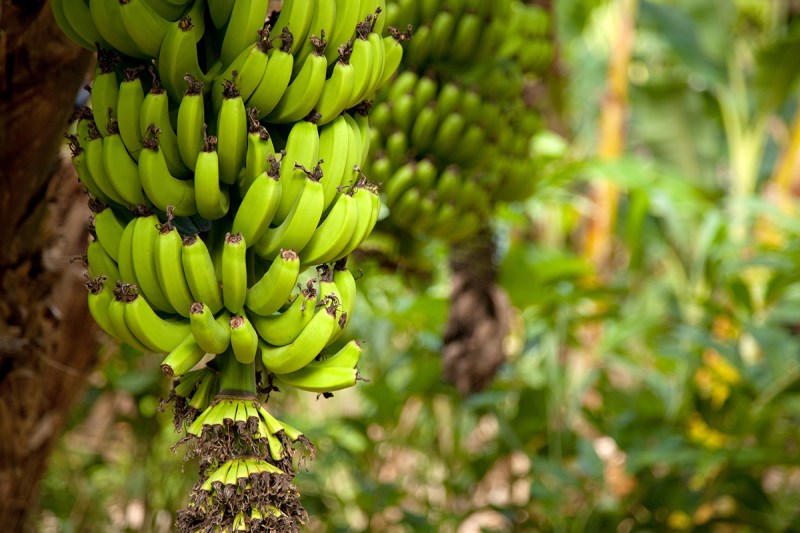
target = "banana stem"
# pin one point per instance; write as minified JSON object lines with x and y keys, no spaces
{"x":237,"y":378}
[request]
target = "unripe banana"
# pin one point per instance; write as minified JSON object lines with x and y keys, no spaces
{"x":169,"y":268}
{"x":162,"y":188}
{"x":120,"y":168}
{"x":156,"y":333}
{"x":191,"y":122}
{"x":213,"y":199}
{"x":283,"y":328}
{"x":311,"y":340}
{"x":296,"y":16}
{"x":274,"y":288}
{"x":129,"y":106}
{"x":100,"y":296}
{"x":100,"y":263}
{"x":259,"y":149}
{"x":246,"y":19}
{"x":108,"y":228}
{"x":232,"y":125}
{"x":116,"y":317}
{"x":105,"y":89}
{"x":234,"y":272}
{"x":145,"y":232}
{"x":143,"y":25}
{"x":200,"y":273}
{"x":313,"y":378}
{"x":334,"y":233}
{"x":213,"y":335}
{"x":302,"y":152}
{"x":259,"y":204}
{"x":304,"y":90}
{"x":277,"y":75}
{"x":182,"y":358}
{"x":244,"y":339}
{"x":346,"y":357}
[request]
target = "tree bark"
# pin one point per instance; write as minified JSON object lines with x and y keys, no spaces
{"x":47,"y":345}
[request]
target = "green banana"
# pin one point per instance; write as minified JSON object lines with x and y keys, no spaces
{"x":100,"y":262}
{"x":213,"y":335}
{"x":143,"y":243}
{"x":168,"y":252}
{"x":346,"y":357}
{"x":156,"y":333}
{"x":334,"y":233}
{"x":305,"y":89}
{"x":234,"y":272}
{"x":338,"y":88}
{"x":249,"y":66}
{"x":162,"y":188}
{"x":108,"y":227}
{"x":311,"y":340}
{"x":129,"y":106}
{"x":275,"y":287}
{"x":212,"y":200}
{"x":368,"y":205}
{"x":120,"y":168}
{"x":191,"y":122}
{"x":200,"y":273}
{"x":363,"y":61}
{"x":155,"y":116}
{"x":220,"y":12}
{"x":232,"y":127}
{"x":73,"y":17}
{"x":296,"y":16}
{"x":100,"y":296}
{"x":393,"y":54}
{"x":108,"y":20}
{"x":298,"y":227}
{"x":82,"y":169}
{"x":334,"y":152}
{"x":322,"y":22}
{"x":143,"y":25}
{"x":116,"y":317}
{"x":244,"y":339}
{"x":346,"y":290}
{"x":127,"y":272}
{"x":283,"y":328}
{"x":347,"y":15}
{"x":246,"y":19}
{"x":182,"y":358}
{"x":259,"y":150}
{"x":313,"y":378}
{"x":302,"y":148}
{"x":259,"y":204}
{"x":276,"y":78}
{"x":105,"y":89}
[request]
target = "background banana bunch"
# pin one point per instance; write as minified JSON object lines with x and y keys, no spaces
{"x":451,"y":134}
{"x":222,"y":154}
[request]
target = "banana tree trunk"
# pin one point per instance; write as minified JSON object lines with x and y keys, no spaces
{"x":47,"y":345}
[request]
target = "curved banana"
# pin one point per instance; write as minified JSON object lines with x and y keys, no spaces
{"x":220,"y":12}
{"x":212,"y":200}
{"x":302,"y":148}
{"x":334,"y":233}
{"x":369,"y":205}
{"x":232,"y":126}
{"x":283,"y":328}
{"x":191,"y":122}
{"x":127,"y":273}
{"x":304,"y":90}
{"x":311,"y":340}
{"x":314,"y":378}
{"x":362,"y":60}
{"x":275,"y":287}
{"x":334,"y":140}
{"x":277,"y":75}
{"x":322,"y":22}
{"x":178,"y":54}
{"x":200,"y":273}
{"x":120,"y":168}
{"x":105,"y":89}
{"x":129,"y":107}
{"x":100,"y":296}
{"x":346,"y":357}
{"x":347,"y":15}
{"x":168,"y":252}
{"x":77,"y":24}
{"x":296,"y":16}
{"x":244,"y":339}
{"x":143,"y":25}
{"x":109,"y":229}
{"x":259,"y":150}
{"x":108,"y":21}
{"x":161,"y":187}
{"x":100,"y":262}
{"x":155,"y":116}
{"x":246,"y":19}
{"x":259,"y":204}
{"x":82,"y":169}
{"x":182,"y":358}
{"x":338,"y":88}
{"x":156,"y":333}
{"x":346,"y":289}
{"x":143,"y":240}
{"x":234,"y":272}
{"x":298,"y":227}
{"x":249,"y":66}
{"x":213,"y":335}
{"x":116,"y":318}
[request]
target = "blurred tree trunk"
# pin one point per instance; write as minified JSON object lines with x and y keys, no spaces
{"x":47,"y":348}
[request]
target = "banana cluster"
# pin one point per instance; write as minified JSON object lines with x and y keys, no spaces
{"x":445,"y":153}
{"x":222,"y":154}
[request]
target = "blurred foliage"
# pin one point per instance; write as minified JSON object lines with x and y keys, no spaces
{"x":661,"y":393}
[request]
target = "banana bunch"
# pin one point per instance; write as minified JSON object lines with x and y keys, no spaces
{"x":454,"y":32}
{"x":223,"y":164}
{"x":527,"y":42}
